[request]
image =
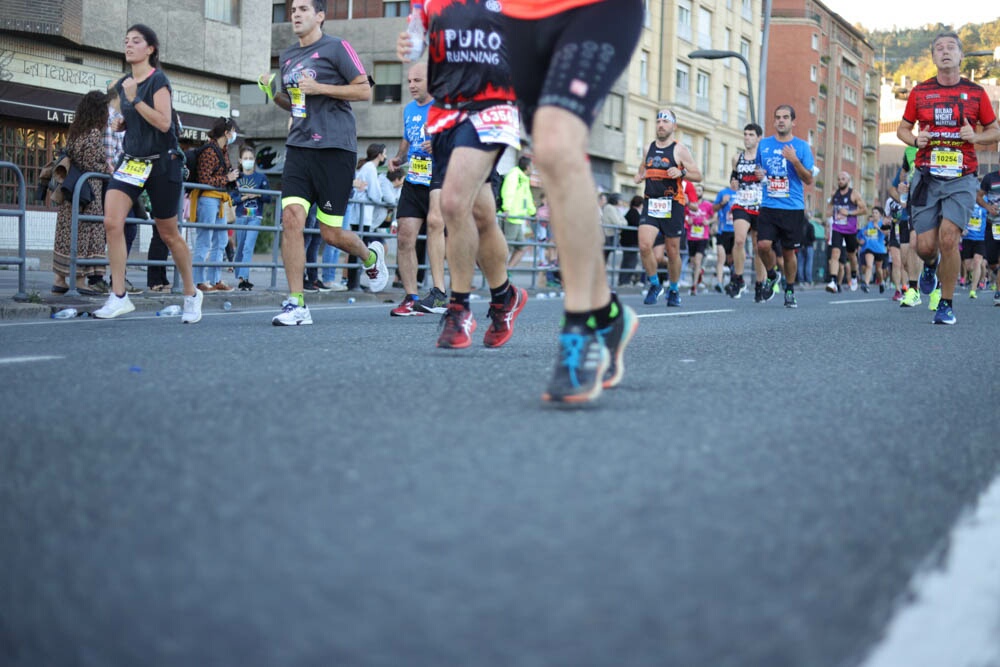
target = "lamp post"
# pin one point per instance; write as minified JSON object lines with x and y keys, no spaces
{"x":715,"y":54}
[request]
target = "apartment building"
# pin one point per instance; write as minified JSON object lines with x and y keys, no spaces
{"x":53,"y":52}
{"x":825,"y":69}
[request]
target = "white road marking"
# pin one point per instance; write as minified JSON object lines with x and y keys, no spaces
{"x":841,"y":303}
{"x":682,"y":313}
{"x":27,"y":360}
{"x":954,"y":612}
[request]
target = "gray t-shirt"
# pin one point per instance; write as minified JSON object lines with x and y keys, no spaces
{"x":141,"y":138}
{"x":319,"y":121}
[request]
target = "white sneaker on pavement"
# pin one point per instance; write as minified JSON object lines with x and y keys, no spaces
{"x":292,"y":315}
{"x":192,"y":308}
{"x":376,"y":277}
{"x":114,"y":306}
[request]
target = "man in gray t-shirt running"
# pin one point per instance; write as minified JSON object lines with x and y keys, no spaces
{"x":320,"y":76}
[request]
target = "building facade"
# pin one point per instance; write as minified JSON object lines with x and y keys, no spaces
{"x":825,"y":69}
{"x":52,"y":53}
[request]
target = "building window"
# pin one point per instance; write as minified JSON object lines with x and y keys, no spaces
{"x":226,"y":11}
{"x":682,"y":85}
{"x":745,"y":48}
{"x":812,"y":105}
{"x":640,"y":140}
{"x":748,"y":10}
{"x":815,"y":42}
{"x":706,"y":152}
{"x":851,"y":95}
{"x":388,"y":83}
{"x":813,"y":73}
{"x":729,"y":5}
{"x":647,"y":20}
{"x":279,"y":12}
{"x":684,"y":19}
{"x":611,"y":114}
{"x":644,"y":73}
{"x":704,"y":28}
{"x":30,"y":147}
{"x":848,"y":153}
{"x":742,"y":104}
{"x":811,"y":138}
{"x":703,"y":84}
{"x":723,"y":161}
{"x":725,"y":104}
{"x":728,"y":62}
{"x":850,"y":124}
{"x":392,"y":8}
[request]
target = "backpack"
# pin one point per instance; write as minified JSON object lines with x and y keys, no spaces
{"x":191,"y":160}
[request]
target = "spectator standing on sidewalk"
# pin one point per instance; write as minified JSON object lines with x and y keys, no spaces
{"x":518,"y":206}
{"x":213,"y":168}
{"x":249,"y":212}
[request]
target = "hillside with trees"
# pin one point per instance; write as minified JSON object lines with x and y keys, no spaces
{"x":901,"y":53}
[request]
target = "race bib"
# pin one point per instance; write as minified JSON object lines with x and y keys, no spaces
{"x":777,"y":187}
{"x":871,"y":233}
{"x":134,"y":172}
{"x":298,"y":99}
{"x":748,"y":197}
{"x":996,"y":230}
{"x":661,"y":208}
{"x":698,"y":231}
{"x":498,"y":125}
{"x":975,"y":224}
{"x":946,"y":163}
{"x":420,"y":171}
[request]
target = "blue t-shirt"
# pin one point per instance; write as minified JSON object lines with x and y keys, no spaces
{"x":976,"y":229}
{"x":873,"y":238}
{"x":725,"y":223}
{"x":783,"y":187}
{"x":254,"y":181}
{"x":414,"y":122}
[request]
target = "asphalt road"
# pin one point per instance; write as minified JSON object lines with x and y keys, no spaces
{"x":759,"y":491}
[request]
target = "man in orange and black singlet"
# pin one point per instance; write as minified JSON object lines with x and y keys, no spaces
{"x":569,"y":53}
{"x":948,"y":108}
{"x":471,"y":120}
{"x":667,"y":163}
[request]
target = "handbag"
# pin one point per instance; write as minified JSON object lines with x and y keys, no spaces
{"x":230,"y":212}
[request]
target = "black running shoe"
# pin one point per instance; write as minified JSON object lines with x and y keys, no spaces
{"x":580,"y":369}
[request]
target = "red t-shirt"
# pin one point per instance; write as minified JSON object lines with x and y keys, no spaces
{"x":940,"y":110}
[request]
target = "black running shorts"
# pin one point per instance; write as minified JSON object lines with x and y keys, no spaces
{"x":784,"y":226}
{"x":321,"y":176}
{"x":414,"y":201}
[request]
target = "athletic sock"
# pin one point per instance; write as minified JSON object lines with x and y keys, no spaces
{"x":461,"y":298}
{"x":370,"y":261}
{"x":911,"y":284}
{"x":604,"y":315}
{"x":296,"y":298}
{"x":499,"y":295}
{"x":576,"y":319}
{"x":654,"y":280}
{"x":772,"y":274}
{"x":945,"y":302}
{"x":674,"y":286}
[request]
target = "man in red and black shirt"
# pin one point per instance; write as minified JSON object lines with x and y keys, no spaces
{"x":948,"y":109}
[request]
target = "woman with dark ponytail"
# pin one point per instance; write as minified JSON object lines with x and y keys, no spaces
{"x":152,"y":161}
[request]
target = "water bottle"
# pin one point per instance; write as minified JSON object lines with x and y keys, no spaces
{"x":65,"y":314}
{"x":351,"y":299}
{"x":415,"y":28}
{"x":170,"y":311}
{"x":227,"y":306}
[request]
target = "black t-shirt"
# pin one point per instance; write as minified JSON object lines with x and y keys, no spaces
{"x":141,"y":138}
{"x":629,"y":236}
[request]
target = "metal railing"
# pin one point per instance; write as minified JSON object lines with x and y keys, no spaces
{"x":20,"y":212}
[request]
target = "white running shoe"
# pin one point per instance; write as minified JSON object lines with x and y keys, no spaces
{"x":337,"y":286}
{"x":192,"y":308}
{"x":832,"y":287}
{"x":114,"y":306}
{"x":376,"y":277}
{"x":292,"y":315}
{"x":854,"y":284}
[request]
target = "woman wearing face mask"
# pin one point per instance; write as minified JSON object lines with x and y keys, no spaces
{"x":214,"y":169}
{"x":248,"y":213}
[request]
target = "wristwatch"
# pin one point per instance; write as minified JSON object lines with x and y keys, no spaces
{"x":135,"y":100}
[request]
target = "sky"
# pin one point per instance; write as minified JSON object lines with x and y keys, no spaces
{"x":883,"y":14}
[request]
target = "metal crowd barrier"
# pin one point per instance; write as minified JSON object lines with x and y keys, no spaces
{"x":20,"y":212}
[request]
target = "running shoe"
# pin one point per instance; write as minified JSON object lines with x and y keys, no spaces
{"x":652,"y":294}
{"x":928,"y":280}
{"x":502,"y":317}
{"x":309,"y":286}
{"x":790,"y":301}
{"x":972,"y":294}
{"x":407,"y":308}
{"x":864,"y":287}
{"x":881,"y":288}
{"x":673,"y":299}
{"x":457,"y":327}
{"x":321,"y":286}
{"x":114,"y":306}
{"x":770,"y":287}
{"x":191,"y":311}
{"x":898,"y":296}
{"x":616,"y":338}
{"x":292,"y":315}
{"x":935,"y":298}
{"x":718,"y":288}
{"x":435,"y":301}
{"x":911,"y":299}
{"x":944,"y":315}
{"x":739,"y":290}
{"x":376,"y":276}
{"x":245,"y":285}
{"x":832,"y":287}
{"x":758,"y":293}
{"x":854,"y":284}
{"x":996,"y":298}
{"x":581,"y":367}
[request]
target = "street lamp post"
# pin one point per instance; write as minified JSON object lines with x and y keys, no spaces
{"x":715,"y":54}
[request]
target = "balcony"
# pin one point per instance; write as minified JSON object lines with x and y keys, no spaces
{"x":868,"y":174}
{"x":871,"y":95}
{"x":871,"y":121}
{"x":868,"y":148}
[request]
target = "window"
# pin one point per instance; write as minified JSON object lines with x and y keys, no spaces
{"x":742,"y":104}
{"x":279,"y":12}
{"x":745,"y":48}
{"x":684,"y":19}
{"x":640,"y":140}
{"x":226,"y":11}
{"x":811,"y":138}
{"x":391,"y":8}
{"x":388,"y":83}
{"x":851,"y":94}
{"x":612,"y":112}
{"x":704,"y":28}
{"x":723,"y":161}
{"x":725,"y":104}
{"x":813,"y":73}
{"x":729,"y":4}
{"x":851,"y":124}
{"x":644,"y":73}
{"x":706,"y":151}
{"x":682,"y":84}
{"x":848,"y":153}
{"x":815,"y":42}
{"x":30,"y":147}
{"x":748,"y":10}
{"x":812,"y":105}
{"x":728,"y":62}
{"x":702,"y":85}
{"x":647,"y":20}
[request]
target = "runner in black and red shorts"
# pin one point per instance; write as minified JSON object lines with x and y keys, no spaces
{"x":746,"y":208}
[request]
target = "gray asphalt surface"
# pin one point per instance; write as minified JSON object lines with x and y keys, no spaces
{"x":759,"y":490}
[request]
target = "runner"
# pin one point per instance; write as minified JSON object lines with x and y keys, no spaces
{"x":745,"y":212}
{"x":988,"y":197}
{"x":786,"y":162}
{"x":667,"y":163}
{"x":844,"y":206}
{"x":471,"y":121}
{"x":697,"y":223}
{"x":568,"y":55}
{"x":948,"y":108}
{"x":725,"y":235}
{"x":899,"y":191}
{"x":320,"y":76}
{"x":418,"y":204}
{"x":873,"y":250}
{"x":974,"y":248}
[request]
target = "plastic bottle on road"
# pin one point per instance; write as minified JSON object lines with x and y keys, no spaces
{"x":227,"y":306}
{"x":65,"y":314}
{"x":415,"y":28}
{"x":172,"y":310}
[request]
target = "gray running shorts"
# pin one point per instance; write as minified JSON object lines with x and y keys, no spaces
{"x":952,"y":199}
